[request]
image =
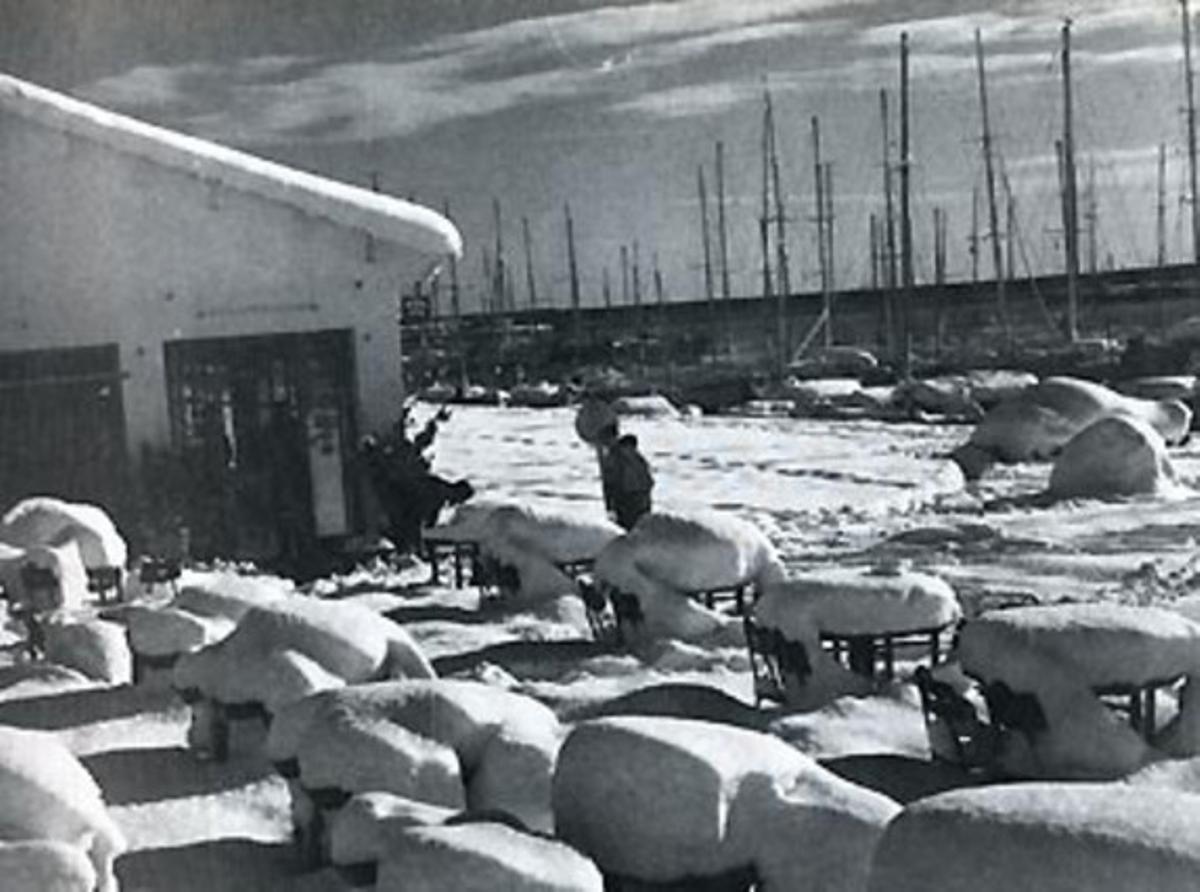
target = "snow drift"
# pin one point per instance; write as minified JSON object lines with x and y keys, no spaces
{"x":1038,"y":422}
{"x":449,"y":742}
{"x":1116,"y":456}
{"x":47,"y":795}
{"x":1049,"y":837}
{"x":662,"y":799}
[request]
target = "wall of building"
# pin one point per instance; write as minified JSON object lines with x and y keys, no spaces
{"x":101,"y":246}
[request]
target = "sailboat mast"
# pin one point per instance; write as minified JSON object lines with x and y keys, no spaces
{"x":499,"y":271}
{"x":764,"y":234}
{"x":1162,"y":205}
{"x":990,"y":177}
{"x":974,"y":244}
{"x":782,"y":276}
{"x":708,"y":270}
{"x":830,"y":254}
{"x":822,"y":245}
{"x":529,"y":277}
{"x":906,"y":246}
{"x":722,"y":232}
{"x":1191,"y":126}
{"x":573,"y":272}
{"x":1070,"y":197}
{"x":888,"y":232}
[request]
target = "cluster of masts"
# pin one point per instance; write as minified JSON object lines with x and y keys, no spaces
{"x":891,"y":235}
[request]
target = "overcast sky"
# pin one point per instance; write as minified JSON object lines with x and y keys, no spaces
{"x":614,"y":106}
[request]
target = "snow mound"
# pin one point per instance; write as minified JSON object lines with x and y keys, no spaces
{"x":355,"y":753}
{"x":663,"y":799}
{"x":287,"y":650}
{"x":505,"y":743}
{"x":47,"y":794}
{"x":1038,"y":422}
{"x":1115,"y":456}
{"x":483,"y":857}
{"x":97,"y":648}
{"x":362,"y":830}
{"x":42,"y":520}
{"x":45,"y":866}
{"x":1049,"y":837}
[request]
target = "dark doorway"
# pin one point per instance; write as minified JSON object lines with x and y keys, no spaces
{"x":62,"y":427}
{"x":265,"y":427}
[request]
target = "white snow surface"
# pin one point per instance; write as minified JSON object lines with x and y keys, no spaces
{"x":383,"y":216}
{"x":822,"y":491}
{"x":1049,"y":837}
{"x":662,"y":799}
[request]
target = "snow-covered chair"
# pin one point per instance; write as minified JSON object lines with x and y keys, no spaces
{"x":47,"y":521}
{"x":772,"y":660}
{"x":957,"y":733}
{"x":665,"y":800}
{"x":46,"y":795}
{"x":455,"y":744}
{"x":1043,"y":836}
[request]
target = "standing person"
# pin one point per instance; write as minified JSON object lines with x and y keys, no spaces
{"x":629,"y":480}
{"x":290,"y":488}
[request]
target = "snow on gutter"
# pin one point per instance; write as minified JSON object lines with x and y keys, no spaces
{"x":382,"y":216}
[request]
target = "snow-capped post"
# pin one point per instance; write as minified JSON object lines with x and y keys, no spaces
{"x":596,"y":424}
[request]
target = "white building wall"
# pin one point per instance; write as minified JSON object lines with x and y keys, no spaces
{"x":101,"y":245}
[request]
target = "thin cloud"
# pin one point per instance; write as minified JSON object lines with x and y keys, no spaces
{"x":468,"y":74}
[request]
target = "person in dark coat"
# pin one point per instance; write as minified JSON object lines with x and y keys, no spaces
{"x":627,"y":481}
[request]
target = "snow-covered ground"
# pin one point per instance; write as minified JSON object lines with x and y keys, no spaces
{"x":824,"y":492}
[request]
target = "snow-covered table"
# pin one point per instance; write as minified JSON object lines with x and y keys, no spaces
{"x":1118,"y":652}
{"x":862,"y":616}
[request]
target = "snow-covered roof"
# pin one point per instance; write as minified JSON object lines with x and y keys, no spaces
{"x":383,"y":216}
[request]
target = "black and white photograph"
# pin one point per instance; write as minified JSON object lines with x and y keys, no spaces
{"x":599,"y":446}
